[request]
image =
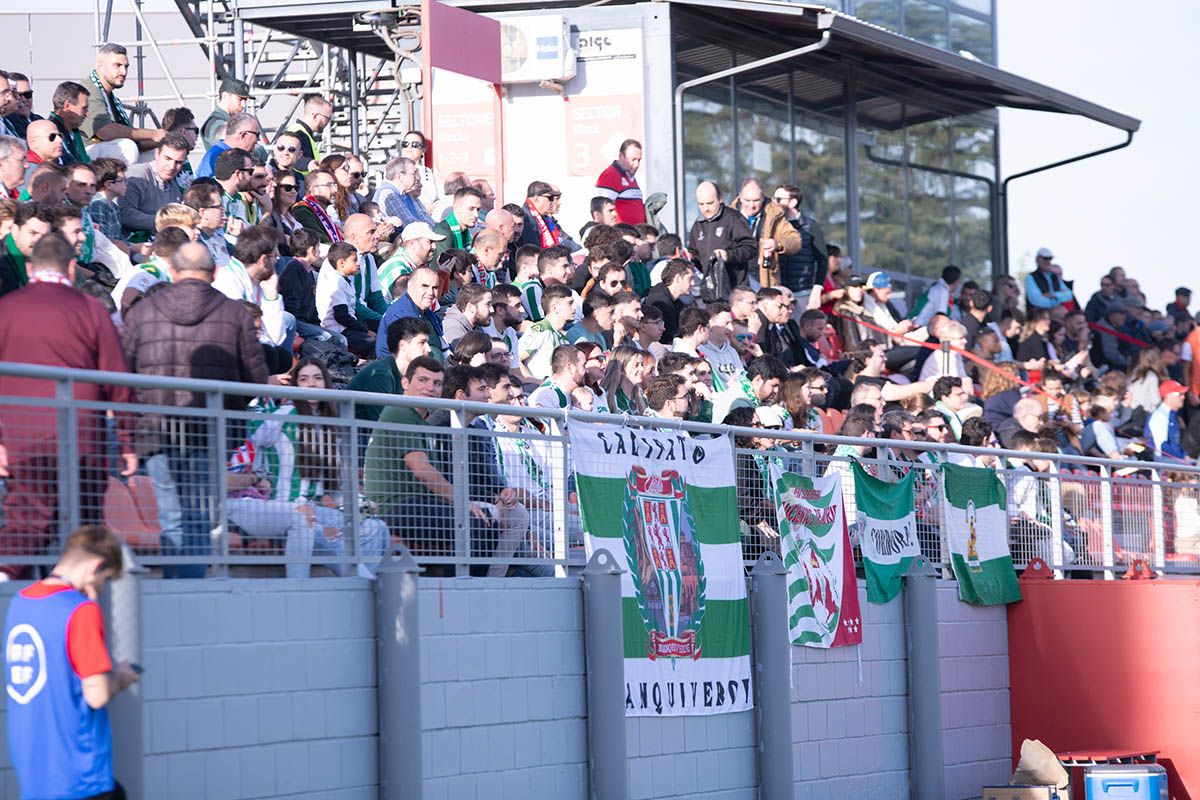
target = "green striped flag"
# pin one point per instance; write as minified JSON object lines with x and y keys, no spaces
{"x":822,"y":587}
{"x":666,"y":505}
{"x":887,"y":531}
{"x":974,"y":513}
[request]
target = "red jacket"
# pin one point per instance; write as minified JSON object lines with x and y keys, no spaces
{"x":54,"y":325}
{"x":622,"y":188}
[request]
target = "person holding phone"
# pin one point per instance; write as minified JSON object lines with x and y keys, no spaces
{"x":59,"y":677}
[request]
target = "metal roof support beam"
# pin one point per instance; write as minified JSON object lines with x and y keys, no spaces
{"x":850,"y":150}
{"x":823,"y":23}
{"x":1004,"y":184}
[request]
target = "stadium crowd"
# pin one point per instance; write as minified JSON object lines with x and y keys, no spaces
{"x":272,"y":263}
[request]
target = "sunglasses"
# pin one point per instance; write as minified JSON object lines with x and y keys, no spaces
{"x":418,"y":145}
{"x":191,"y":128}
{"x":53,"y":137}
{"x":552,"y":195}
{"x":285,"y":149}
{"x":27,"y":95}
{"x":354,"y":174}
{"x":291,"y":187}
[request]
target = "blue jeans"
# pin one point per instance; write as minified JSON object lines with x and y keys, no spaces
{"x":183,"y":488}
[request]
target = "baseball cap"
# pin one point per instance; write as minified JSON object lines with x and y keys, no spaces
{"x":856,"y":280}
{"x":234,"y":86}
{"x":769,"y":417}
{"x":1044,"y":252}
{"x":879,"y":280}
{"x":419,"y":230}
{"x":1184,"y":291}
{"x":1170,"y":387}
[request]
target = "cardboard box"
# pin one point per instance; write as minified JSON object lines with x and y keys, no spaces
{"x":1023,"y":793}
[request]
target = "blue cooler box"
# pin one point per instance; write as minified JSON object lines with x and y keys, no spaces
{"x":1126,"y":782}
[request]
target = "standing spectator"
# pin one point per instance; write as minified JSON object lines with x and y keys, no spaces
{"x":408,"y":339}
{"x":603,"y":212}
{"x":1163,"y":428}
{"x":205,"y":198}
{"x":152,"y":185}
{"x":1178,"y":310}
{"x":617,"y":183}
{"x":665,"y":296}
{"x":418,"y":300}
{"x":230,"y":102}
{"x":13,"y":161}
{"x":336,"y":300}
{"x":721,"y":234}
{"x":319,"y":188}
{"x":413,"y":146}
{"x":805,"y":269}
{"x":400,"y":195}
{"x":1044,"y":287}
{"x":771,"y":230}
{"x":59,"y":705}
{"x":938,"y":298}
{"x":48,"y":322}
{"x":456,"y":227}
{"x":315,"y":116}
{"x":187,"y":329}
{"x":416,"y":247}
{"x":31,"y":222}
{"x":110,"y":125}
{"x":45,"y":144}
{"x":22,"y":114}
{"x":241,"y":133}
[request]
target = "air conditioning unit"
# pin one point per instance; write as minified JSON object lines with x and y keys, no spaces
{"x":536,"y":48}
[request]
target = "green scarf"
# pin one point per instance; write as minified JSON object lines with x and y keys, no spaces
{"x":72,"y":140}
{"x":116,"y":108}
{"x":457,"y":231}
{"x":18,"y":260}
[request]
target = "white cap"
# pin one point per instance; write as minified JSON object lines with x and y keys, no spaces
{"x":1044,"y":252}
{"x":769,"y":416}
{"x":419,"y":230}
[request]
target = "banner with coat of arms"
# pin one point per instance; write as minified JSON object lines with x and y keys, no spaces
{"x":823,"y":608}
{"x":665,"y":504}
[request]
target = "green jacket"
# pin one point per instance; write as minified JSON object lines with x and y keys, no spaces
{"x":379,"y":377}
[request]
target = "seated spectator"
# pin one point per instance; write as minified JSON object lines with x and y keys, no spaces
{"x":667,"y":396}
{"x":505,"y":322}
{"x":311,"y":211}
{"x":621,"y":384}
{"x":286,"y":154}
{"x":1147,"y":375}
{"x":241,"y":133}
{"x":109,"y":124}
{"x":472,"y":310}
{"x":408,"y":339}
{"x":603,"y":212}
{"x":950,"y":399}
{"x":291,"y":488}
{"x":283,"y":198}
{"x":363,"y":232}
{"x":13,"y":161}
{"x":949,"y":363}
{"x":47,"y":184}
{"x":400,"y":195}
{"x":1044,"y":287}
{"x":231,"y":100}
{"x":553,"y":266}
{"x":538,"y":343}
{"x":298,"y":287}
{"x":473,"y":349}
{"x":232,"y":172}
{"x":152,"y":185}
{"x":182,"y":122}
{"x":70,"y":102}
{"x":597,"y":323}
{"x":348,"y":171}
{"x":413,"y":147}
{"x":567,"y":366}
{"x":250,"y":277}
{"x":456,"y":227}
{"x":1107,"y":350}
{"x":488,"y":251}
{"x":1097,"y":305}
{"x":761,"y":387}
{"x":134,"y":285}
{"x":205,"y":198}
{"x":417,"y":242}
{"x":21,"y":115}
{"x":103,"y":211}
{"x":1163,"y":428}
{"x":666,"y":296}
{"x":1028,"y":415}
{"x":418,"y":300}
{"x":336,"y":301}
{"x":44,"y":143}
{"x":1099,"y":438}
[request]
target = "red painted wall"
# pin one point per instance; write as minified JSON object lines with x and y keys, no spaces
{"x":1110,"y":664}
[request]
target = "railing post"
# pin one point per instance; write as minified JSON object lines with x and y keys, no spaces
{"x":560,"y":485}
{"x":1160,"y":538}
{"x":349,"y":478}
{"x":217,"y":501}
{"x":1057,"y":551}
{"x":459,"y":453}
{"x":927,"y":767}
{"x":1106,"y":522}
{"x":397,"y":629}
{"x":772,"y":679}
{"x":68,"y":459}
{"x":127,"y":711}
{"x":608,"y":775}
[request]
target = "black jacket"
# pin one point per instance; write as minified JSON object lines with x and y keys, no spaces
{"x":298,"y":288}
{"x":784,"y":342}
{"x":727,"y":231}
{"x":660,"y":298}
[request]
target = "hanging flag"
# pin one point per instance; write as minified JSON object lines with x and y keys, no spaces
{"x":666,"y":505}
{"x":822,"y":587}
{"x":887,"y":531}
{"x":974,"y":514}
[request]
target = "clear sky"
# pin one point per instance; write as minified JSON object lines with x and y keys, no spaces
{"x":1135,"y":207}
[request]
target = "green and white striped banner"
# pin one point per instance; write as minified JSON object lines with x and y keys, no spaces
{"x":666,"y":505}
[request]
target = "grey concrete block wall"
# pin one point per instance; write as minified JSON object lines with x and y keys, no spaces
{"x":976,"y":724}
{"x":850,"y":734}
{"x":502,"y":694}
{"x":258,"y":689}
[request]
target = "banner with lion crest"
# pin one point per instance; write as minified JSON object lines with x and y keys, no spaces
{"x":665,"y":504}
{"x":823,"y":606}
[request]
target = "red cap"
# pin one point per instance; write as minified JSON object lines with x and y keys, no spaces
{"x":1170,"y":387}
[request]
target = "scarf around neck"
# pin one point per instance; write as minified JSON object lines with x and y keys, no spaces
{"x":116,"y":109}
{"x":331,"y":230}
{"x":548,"y":233}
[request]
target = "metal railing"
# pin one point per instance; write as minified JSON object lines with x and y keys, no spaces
{"x":220,"y":485}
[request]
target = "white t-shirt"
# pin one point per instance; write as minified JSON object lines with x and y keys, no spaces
{"x":333,"y":289}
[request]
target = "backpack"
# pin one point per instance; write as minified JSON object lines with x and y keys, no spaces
{"x":714,"y":281}
{"x":341,"y":365}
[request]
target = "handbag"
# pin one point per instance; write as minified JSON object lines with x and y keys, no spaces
{"x":714,"y":281}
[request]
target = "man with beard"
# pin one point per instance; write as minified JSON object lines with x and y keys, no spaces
{"x":250,"y":277}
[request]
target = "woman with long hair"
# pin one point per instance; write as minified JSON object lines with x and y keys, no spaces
{"x":1147,"y":375}
{"x":1034,"y":336}
{"x":471,"y":350}
{"x":286,"y":480}
{"x":621,"y":386}
{"x":1001,"y":391}
{"x":288,"y":192}
{"x":346,"y":200}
